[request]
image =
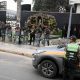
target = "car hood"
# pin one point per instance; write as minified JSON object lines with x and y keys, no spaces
{"x":51,"y":50}
{"x":55,"y":53}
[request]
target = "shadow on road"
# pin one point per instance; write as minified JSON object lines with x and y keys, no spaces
{"x":59,"y":77}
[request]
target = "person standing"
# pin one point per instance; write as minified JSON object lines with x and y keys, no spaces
{"x":17,"y":32}
{"x":72,"y":58}
{"x":3,"y":31}
{"x":46,"y":35}
{"x":32,"y":34}
{"x":0,"y":29}
{"x":38,"y":34}
{"x":9,"y":32}
{"x":26,"y":36}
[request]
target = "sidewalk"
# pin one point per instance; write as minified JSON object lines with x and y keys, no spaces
{"x":25,"y":50}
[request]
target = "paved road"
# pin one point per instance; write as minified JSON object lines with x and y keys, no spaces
{"x":16,"y":67}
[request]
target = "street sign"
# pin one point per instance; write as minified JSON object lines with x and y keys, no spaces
{"x":72,"y":2}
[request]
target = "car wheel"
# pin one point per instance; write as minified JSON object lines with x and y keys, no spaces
{"x":48,"y":69}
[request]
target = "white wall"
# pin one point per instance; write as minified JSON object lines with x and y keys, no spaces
{"x":77,"y":1}
{"x":78,"y":8}
{"x":71,"y":2}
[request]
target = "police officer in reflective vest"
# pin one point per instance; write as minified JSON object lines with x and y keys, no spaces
{"x":72,"y":51}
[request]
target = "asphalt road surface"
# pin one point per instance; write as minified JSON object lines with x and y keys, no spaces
{"x":16,"y":67}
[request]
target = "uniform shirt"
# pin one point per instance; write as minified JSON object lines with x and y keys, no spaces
{"x":74,"y":44}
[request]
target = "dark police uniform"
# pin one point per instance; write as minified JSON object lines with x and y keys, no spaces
{"x":71,"y":60}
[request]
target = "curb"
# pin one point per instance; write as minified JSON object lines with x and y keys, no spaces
{"x":28,"y":54}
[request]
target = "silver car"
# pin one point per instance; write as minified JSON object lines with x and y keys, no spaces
{"x":49,"y":60}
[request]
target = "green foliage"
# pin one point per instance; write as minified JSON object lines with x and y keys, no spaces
{"x":49,"y":5}
{"x":37,"y":5}
{"x":44,"y":20}
{"x":33,"y":20}
{"x":57,"y":32}
{"x":52,"y":22}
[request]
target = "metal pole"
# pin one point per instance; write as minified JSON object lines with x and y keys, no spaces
{"x":69,"y":25}
{"x":18,"y":11}
{"x":19,"y":18}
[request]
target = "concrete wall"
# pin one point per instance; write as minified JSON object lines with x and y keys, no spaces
{"x":3,"y":16}
{"x":78,"y":8}
{"x":61,"y":18}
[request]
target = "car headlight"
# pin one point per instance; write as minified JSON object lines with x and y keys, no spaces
{"x":40,"y":51}
{"x":37,"y":53}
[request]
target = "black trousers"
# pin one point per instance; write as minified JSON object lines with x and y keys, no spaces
{"x":70,"y":67}
{"x":32,"y":39}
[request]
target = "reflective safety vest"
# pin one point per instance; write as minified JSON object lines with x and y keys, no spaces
{"x":72,"y":51}
{"x":73,"y":47}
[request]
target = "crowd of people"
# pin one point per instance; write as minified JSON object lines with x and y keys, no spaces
{"x":39,"y":34}
{"x":33,"y":34}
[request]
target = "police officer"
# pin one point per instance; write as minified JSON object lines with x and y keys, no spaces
{"x":71,"y":60}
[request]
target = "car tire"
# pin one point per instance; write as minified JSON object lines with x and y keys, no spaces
{"x":48,"y":69}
